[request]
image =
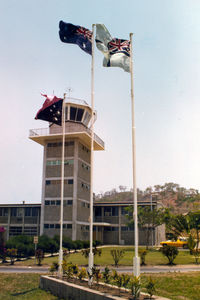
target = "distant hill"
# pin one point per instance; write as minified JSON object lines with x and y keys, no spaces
{"x":171,"y":195}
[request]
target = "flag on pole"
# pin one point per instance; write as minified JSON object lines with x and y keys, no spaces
{"x":79,"y":35}
{"x":51,"y":110}
{"x":116,"y":51}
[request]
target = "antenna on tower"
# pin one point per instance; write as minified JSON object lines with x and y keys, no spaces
{"x":69,"y":90}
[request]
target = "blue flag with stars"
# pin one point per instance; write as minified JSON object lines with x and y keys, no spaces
{"x":74,"y":34}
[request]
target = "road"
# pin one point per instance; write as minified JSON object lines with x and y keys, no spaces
{"x":144,"y":269}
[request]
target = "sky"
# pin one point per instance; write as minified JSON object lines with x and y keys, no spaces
{"x":166,"y":53}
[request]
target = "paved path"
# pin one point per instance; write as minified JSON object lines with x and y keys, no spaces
{"x":144,"y":269}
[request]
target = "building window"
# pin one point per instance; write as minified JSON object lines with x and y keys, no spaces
{"x":85,"y":186}
{"x":68,"y":202}
{"x":97,"y":211}
{"x":85,"y":166}
{"x":28,"y":212}
{"x":115,"y":211}
{"x":13,"y":212}
{"x":48,"y":182}
{"x":67,"y":226}
{"x":15,"y":231}
{"x":70,"y":181}
{"x":107,"y":211}
{"x":111,"y":211}
{"x":3,"y":212}
{"x":31,"y":211}
{"x":46,"y":226}
{"x":59,"y":162}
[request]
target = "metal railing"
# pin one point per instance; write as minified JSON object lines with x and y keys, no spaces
{"x":46,"y":132}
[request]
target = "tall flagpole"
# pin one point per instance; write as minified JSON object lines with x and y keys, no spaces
{"x":136,"y":259}
{"x":91,"y":255}
{"x":60,"y":273}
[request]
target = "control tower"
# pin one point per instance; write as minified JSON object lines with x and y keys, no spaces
{"x":76,"y":199}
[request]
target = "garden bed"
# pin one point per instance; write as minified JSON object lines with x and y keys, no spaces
{"x":75,"y":289}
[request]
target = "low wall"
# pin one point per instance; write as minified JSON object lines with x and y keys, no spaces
{"x":70,"y":291}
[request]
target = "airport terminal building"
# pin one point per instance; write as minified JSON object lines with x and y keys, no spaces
{"x":110,"y":223}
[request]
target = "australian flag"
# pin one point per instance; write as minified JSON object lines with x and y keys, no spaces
{"x":51,"y":110}
{"x":74,"y":34}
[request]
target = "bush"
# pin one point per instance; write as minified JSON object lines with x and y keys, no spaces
{"x":54,"y":267}
{"x":117,"y":255}
{"x":142,"y":254}
{"x":106,"y":275}
{"x":39,"y":254}
{"x":12,"y":254}
{"x":150,"y":286}
{"x":170,"y":252}
{"x":82,"y":273}
{"x":135,"y":286}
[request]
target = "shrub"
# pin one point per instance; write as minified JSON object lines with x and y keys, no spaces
{"x":196,"y":253}
{"x":82,"y":273}
{"x":39,"y":254}
{"x":142,"y":254}
{"x":135,"y":286}
{"x":68,"y":269}
{"x":117,"y":255}
{"x":170,"y":252}
{"x":12,"y":253}
{"x":125,"y":280}
{"x":106,"y":275}
{"x":150,"y":286}
{"x":54,"y":267}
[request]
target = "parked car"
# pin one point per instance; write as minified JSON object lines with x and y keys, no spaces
{"x":180,"y":242}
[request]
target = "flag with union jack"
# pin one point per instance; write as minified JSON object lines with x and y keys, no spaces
{"x":116,"y":51}
{"x":74,"y":34}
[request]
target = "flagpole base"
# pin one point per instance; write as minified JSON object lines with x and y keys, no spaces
{"x":60,"y":270}
{"x":136,"y":266}
{"x":90,"y":266}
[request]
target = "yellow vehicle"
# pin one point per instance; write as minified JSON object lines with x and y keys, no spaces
{"x":180,"y":242}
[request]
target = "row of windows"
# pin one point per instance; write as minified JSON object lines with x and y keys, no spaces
{"x":57,"y":202}
{"x":59,"y":162}
{"x":84,"y":204}
{"x":85,"y":166}
{"x":85,"y":148}
{"x":18,"y":212}
{"x":57,"y":226}
{"x":71,"y":143}
{"x":85,"y":185}
{"x":3,"y":212}
{"x":85,"y":228}
{"x":111,"y":228}
{"x":68,"y":181}
{"x":111,"y":211}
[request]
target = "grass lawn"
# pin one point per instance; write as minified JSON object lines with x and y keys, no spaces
{"x":22,"y":286}
{"x":175,"y":286}
{"x":153,"y":257}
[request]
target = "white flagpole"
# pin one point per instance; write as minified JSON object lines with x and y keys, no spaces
{"x":91,"y":255}
{"x":136,"y":259}
{"x":60,"y":273}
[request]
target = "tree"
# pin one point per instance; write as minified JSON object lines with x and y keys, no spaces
{"x":147,"y":219}
{"x":170,"y":252}
{"x":117,"y":255}
{"x":194,"y":223}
